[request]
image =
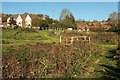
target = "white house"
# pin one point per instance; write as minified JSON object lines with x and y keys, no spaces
{"x":69,"y":29}
{"x":17,"y":18}
{"x":26,"y":20}
{"x":23,"y":20}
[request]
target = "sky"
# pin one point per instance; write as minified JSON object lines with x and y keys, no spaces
{"x":60,"y":0}
{"x":81,"y":10}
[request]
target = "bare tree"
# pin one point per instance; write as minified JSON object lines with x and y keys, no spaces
{"x":113,"y":16}
{"x":64,"y":13}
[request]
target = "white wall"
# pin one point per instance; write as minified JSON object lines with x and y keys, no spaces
{"x":8,"y":20}
{"x":69,"y":28}
{"x":19,"y":21}
{"x":28,"y":21}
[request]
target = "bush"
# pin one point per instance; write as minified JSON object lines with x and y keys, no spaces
{"x":105,"y":38}
{"x":16,"y":27}
{"x":27,"y":29}
{"x":38,"y":22}
{"x":97,"y":29}
{"x":42,"y":60}
{"x":5,"y":42}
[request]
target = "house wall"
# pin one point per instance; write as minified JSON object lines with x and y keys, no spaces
{"x":43,"y":18}
{"x":19,"y":21}
{"x":8,"y":20}
{"x":28,"y":21}
{"x":23,"y":23}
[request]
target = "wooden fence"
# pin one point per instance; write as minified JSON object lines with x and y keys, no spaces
{"x":70,"y":40}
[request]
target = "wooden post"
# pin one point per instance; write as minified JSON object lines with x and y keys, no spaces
{"x":60,"y":39}
{"x":77,"y":38}
{"x":71,"y":40}
{"x":85,"y":38}
{"x":89,"y":39}
{"x":42,"y":28}
{"x":66,"y":41}
{"x":80,"y":39}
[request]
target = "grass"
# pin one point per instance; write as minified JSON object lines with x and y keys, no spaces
{"x":103,"y":60}
{"x":23,"y":38}
{"x":49,"y":59}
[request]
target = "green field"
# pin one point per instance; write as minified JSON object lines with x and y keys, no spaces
{"x":38,"y":54}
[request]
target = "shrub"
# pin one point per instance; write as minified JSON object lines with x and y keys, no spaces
{"x":97,"y":29}
{"x":41,"y":60}
{"x":5,"y":42}
{"x":27,"y":29}
{"x":16,"y":27}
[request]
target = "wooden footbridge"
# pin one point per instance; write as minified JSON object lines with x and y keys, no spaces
{"x":70,"y":40}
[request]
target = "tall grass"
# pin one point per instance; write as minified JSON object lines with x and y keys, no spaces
{"x":52,"y":60}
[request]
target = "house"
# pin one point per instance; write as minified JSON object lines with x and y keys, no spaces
{"x":83,"y":27}
{"x":24,"y":20}
{"x":17,"y":18}
{"x":69,"y":29}
{"x":88,"y":29}
{"x":4,"y":24}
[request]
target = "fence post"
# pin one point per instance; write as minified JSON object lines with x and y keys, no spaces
{"x":89,"y":39}
{"x":85,"y":38}
{"x":66,"y":41}
{"x":71,"y":40}
{"x":60,"y":39}
{"x":42,"y":28}
{"x":77,"y":38}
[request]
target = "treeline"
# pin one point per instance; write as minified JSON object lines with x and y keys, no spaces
{"x":66,"y":20}
{"x":114,"y":21}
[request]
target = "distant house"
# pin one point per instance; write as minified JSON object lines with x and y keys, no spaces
{"x":82,"y":27}
{"x":24,"y":20}
{"x":17,"y":18}
{"x":88,"y":29}
{"x":4,"y":24}
{"x":107,"y":27}
{"x":69,"y":29}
